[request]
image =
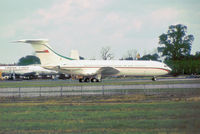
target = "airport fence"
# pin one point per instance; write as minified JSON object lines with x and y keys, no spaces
{"x":100,"y":90}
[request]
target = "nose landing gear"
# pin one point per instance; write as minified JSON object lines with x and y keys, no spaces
{"x":154,"y":78}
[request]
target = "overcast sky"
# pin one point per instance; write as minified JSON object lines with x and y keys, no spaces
{"x":89,"y":25}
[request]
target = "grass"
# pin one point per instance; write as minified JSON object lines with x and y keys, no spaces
{"x":167,"y":111}
{"x":125,"y":114}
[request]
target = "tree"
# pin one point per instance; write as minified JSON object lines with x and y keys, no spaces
{"x":131,"y":55}
{"x":175,"y":44}
{"x":28,"y":60}
{"x":150,"y":57}
{"x":197,"y":55}
{"x":106,"y":54}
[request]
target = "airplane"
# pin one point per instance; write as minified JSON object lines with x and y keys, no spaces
{"x":94,"y":70}
{"x":27,"y":72}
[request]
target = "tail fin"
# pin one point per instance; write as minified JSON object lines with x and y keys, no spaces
{"x":74,"y":55}
{"x":45,"y":53}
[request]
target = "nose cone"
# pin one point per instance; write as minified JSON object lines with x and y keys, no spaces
{"x":168,"y":69}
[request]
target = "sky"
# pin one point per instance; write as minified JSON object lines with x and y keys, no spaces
{"x":90,"y":25}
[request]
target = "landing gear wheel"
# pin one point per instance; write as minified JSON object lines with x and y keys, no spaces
{"x":94,"y":80}
{"x":80,"y":80}
{"x":154,"y":79}
{"x":86,"y":80}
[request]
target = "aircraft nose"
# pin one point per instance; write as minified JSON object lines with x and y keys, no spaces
{"x":168,"y":68}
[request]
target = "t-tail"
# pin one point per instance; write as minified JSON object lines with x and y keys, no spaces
{"x":45,"y":53}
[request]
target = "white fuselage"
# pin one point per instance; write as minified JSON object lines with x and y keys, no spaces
{"x":125,"y":68}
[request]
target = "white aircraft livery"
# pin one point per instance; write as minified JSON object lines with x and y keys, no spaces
{"x":94,"y":70}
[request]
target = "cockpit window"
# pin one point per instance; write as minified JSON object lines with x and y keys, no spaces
{"x":165,"y":66}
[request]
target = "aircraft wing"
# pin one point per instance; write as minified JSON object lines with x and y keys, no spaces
{"x":30,"y":73}
{"x":61,"y":69}
{"x":104,"y":71}
{"x":107,"y":71}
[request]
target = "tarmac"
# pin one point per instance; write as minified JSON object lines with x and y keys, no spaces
{"x":94,"y":89}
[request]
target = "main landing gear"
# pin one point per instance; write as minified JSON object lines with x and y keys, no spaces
{"x":89,"y":80}
{"x":154,"y":78}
